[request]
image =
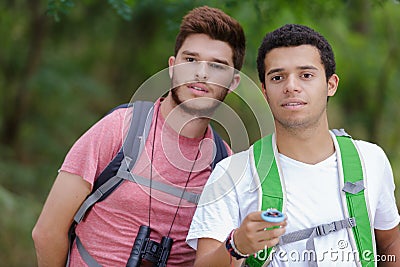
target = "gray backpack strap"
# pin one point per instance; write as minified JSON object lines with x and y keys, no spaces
{"x":93,"y":198}
{"x":89,"y":260}
{"x":160,"y":186}
{"x":353,"y":188}
{"x":311,"y":233}
{"x":132,"y":147}
{"x":340,"y":132}
{"x":138,"y":130}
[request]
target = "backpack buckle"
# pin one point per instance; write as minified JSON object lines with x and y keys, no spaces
{"x":325,"y":229}
{"x":352,"y":222}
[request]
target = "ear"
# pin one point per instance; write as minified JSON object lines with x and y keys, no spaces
{"x":264,"y":91}
{"x":333,"y":84}
{"x":171,"y":62}
{"x":235,"y":82}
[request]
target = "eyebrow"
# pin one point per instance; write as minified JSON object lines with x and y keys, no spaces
{"x":306,"y":67}
{"x":195,"y":54}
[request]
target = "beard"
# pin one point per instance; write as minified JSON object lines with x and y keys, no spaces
{"x":309,"y":122}
{"x":201,"y":106}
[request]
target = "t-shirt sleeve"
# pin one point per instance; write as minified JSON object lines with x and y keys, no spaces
{"x":218,"y":210}
{"x":387,"y":215}
{"x":92,"y":152}
{"x":230,"y":194}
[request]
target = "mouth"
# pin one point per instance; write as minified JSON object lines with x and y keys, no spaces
{"x":292,"y":104}
{"x":199,"y":87}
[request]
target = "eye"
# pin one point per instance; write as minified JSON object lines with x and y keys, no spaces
{"x":276,"y":78}
{"x":307,"y":75}
{"x":190,"y":59}
{"x":217,"y":66}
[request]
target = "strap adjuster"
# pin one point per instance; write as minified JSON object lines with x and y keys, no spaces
{"x":352,"y":222}
{"x":325,"y":229}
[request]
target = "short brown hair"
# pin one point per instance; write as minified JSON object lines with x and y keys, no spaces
{"x":216,"y":24}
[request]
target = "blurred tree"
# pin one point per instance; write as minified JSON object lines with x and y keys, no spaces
{"x":61,"y":73}
{"x":15,"y":102}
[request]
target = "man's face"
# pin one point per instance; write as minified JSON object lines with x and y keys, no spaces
{"x":296,"y":88}
{"x":202,"y":73}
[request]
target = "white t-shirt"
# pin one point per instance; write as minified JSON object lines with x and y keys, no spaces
{"x":312,"y":198}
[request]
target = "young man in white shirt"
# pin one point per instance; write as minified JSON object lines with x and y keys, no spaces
{"x":297,"y":70}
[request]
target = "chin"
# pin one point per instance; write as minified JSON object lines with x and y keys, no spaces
{"x":200,"y":106}
{"x":199,"y":110}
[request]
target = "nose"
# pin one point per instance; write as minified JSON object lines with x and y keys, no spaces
{"x":292,"y":84}
{"x":202,"y":71}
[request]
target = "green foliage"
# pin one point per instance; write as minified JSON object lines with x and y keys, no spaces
{"x":18,"y":213}
{"x":57,"y":7}
{"x":122,"y":7}
{"x":61,"y":73}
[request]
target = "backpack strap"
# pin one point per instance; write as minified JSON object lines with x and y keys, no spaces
{"x":220,"y":150}
{"x":272,"y":195}
{"x":313,"y":232}
{"x":86,"y":257}
{"x":119,"y":168}
{"x":108,"y":180}
{"x":124,"y":172}
{"x":356,"y":201}
{"x":170,"y":189}
{"x":133,"y":143}
{"x":354,"y":192}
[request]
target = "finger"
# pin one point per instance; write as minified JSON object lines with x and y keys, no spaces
{"x":262,"y":226}
{"x":261,"y":236}
{"x":271,"y":242}
{"x":255,"y":216}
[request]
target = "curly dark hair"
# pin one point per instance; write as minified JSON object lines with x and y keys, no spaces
{"x":296,"y":35}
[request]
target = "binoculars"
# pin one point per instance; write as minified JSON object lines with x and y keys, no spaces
{"x":147,"y":252}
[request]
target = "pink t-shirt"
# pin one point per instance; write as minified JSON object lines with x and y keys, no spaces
{"x":110,"y":228}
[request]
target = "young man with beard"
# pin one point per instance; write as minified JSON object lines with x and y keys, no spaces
{"x":178,"y":152}
{"x":337,"y":194}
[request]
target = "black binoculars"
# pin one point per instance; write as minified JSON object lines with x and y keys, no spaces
{"x":147,"y":252}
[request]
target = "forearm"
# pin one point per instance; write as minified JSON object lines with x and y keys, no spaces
{"x":390,"y":256}
{"x":388,"y":246}
{"x":50,"y":233}
{"x":218,"y":257}
{"x":51,"y":251}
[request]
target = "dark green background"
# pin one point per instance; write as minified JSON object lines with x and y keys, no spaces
{"x":62,"y":68}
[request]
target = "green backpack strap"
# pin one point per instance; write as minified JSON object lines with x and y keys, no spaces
{"x":272,"y":197}
{"x":355,"y":198}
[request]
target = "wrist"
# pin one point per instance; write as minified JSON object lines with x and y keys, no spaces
{"x":232,"y":249}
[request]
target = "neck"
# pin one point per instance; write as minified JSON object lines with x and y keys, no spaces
{"x":185,"y":124}
{"x":309,"y":146}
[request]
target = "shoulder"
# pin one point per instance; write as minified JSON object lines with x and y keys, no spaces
{"x":380,"y":185}
{"x":91,"y":153}
{"x":371,"y":152}
{"x":234,"y":170}
{"x":234,"y":161}
{"x":368,"y":147}
{"x":109,"y":127}
{"x":374,"y":159}
{"x":111,"y":123}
